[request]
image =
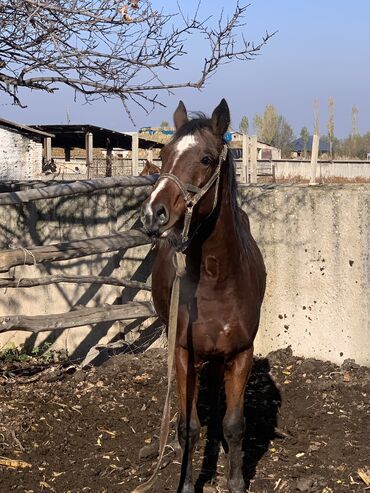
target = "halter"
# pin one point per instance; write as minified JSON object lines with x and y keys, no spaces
{"x":187,"y":189}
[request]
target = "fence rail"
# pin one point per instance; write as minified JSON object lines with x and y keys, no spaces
{"x":25,"y":282}
{"x":71,"y":249}
{"x":76,"y":318}
{"x":73,"y":188}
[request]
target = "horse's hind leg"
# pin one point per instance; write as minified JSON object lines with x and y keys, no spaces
{"x":236,"y":376}
{"x":189,"y":426}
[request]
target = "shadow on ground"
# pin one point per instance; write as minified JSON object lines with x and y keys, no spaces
{"x":261,"y":407}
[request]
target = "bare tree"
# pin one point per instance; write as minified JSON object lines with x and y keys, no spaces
{"x":110,"y":48}
{"x":354,"y":122}
{"x":305,"y":136}
{"x":316,"y":116}
{"x":331,"y":126}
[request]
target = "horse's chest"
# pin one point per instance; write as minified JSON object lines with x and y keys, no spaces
{"x":214,"y":338}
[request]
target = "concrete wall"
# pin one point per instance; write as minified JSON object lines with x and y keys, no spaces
{"x":20,"y":156}
{"x":315,"y":242}
{"x":326,"y":169}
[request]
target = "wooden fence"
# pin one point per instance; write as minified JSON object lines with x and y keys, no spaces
{"x":248,"y":168}
{"x":34,"y":255}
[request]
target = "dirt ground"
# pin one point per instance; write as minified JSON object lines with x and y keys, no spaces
{"x":84,"y":431}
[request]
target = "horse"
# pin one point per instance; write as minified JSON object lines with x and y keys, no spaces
{"x":150,"y":169}
{"x":193,"y":209}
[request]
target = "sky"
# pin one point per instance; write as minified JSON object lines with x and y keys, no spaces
{"x":321,"y":49}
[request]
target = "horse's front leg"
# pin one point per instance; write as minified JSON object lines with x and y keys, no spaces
{"x":189,"y":426}
{"x":236,"y":376}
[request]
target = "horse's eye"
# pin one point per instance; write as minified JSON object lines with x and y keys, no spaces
{"x":207,"y":160}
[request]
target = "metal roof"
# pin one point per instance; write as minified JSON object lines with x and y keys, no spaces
{"x":24,"y":128}
{"x":68,"y":136}
{"x":298,"y":145}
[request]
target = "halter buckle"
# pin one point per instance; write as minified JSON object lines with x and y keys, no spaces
{"x":189,"y":206}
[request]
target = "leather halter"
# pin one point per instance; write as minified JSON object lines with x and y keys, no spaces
{"x":187,"y":189}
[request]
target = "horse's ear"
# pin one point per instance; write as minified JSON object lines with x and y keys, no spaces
{"x":180,"y":117}
{"x":221,"y":118}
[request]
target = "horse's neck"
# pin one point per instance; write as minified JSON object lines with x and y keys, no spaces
{"x":223,"y":236}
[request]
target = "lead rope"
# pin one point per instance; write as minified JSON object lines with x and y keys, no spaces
{"x":180,"y":268}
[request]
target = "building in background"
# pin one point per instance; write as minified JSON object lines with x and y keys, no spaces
{"x":81,"y":151}
{"x":300,"y":149}
{"x":264,"y":151}
{"x":21,"y":151}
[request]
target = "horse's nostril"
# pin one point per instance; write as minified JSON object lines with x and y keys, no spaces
{"x":161,"y":215}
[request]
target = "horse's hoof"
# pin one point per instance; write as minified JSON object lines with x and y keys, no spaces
{"x":236,"y":486}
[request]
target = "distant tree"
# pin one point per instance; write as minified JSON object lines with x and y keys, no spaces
{"x":164,"y":124}
{"x":316,"y":117}
{"x":353,"y":147}
{"x":244,"y":125}
{"x":354,"y":121}
{"x":331,"y":126}
{"x":284,"y":137}
{"x":274,"y":129}
{"x":305,"y":136}
{"x":266,"y":126}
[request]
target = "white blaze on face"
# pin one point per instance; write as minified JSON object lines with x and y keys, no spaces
{"x":183,"y":145}
{"x":154,"y":194}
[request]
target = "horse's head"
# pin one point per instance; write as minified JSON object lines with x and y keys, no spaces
{"x":149,"y":169}
{"x":191,"y":164}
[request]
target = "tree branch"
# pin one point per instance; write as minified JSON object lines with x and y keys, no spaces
{"x":108,"y":49}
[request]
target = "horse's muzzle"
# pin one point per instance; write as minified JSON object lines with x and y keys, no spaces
{"x":154,"y":218}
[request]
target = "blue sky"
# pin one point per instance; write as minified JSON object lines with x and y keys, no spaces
{"x":322,"y":49}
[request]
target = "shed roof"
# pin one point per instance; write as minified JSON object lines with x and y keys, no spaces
{"x":24,"y":128}
{"x":298,"y":145}
{"x":74,"y":136}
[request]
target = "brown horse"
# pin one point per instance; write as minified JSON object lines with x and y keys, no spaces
{"x":150,"y":169}
{"x":222,"y":290}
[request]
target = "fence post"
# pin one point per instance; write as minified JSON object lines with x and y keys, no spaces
{"x":108,"y":162}
{"x":244,"y":171}
{"x":314,"y":157}
{"x":253,"y":158}
{"x":135,"y":153}
{"x":150,"y":155}
{"x":47,"y":149}
{"x":89,"y":146}
{"x":273,"y":172}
